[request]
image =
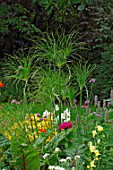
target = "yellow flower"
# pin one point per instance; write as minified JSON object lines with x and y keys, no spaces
{"x":89,"y":143}
{"x":88,"y":166}
{"x":31,"y":137}
{"x":92,"y":148}
{"x":98,"y":141}
{"x":94,"y":133}
{"x":92,"y":165}
{"x":96,"y":159}
{"x":99,"y":128}
{"x":96,"y":152}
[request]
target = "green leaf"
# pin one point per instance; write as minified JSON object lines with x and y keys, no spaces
{"x":81,"y":7}
{"x":32,"y":159}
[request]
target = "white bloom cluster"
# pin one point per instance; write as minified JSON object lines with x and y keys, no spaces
{"x":56,"y":168}
{"x":65,"y":116}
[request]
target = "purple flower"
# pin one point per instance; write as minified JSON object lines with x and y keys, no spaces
{"x":30,"y":119}
{"x":84,"y":106}
{"x":108,"y":104}
{"x":65,"y":125}
{"x":75,"y":100}
{"x":20,"y":67}
{"x":87,"y":102}
{"x":38,"y":114}
{"x":98,"y":115}
{"x":1,"y":107}
{"x":13,"y":101}
{"x":17,"y":102}
{"x":92,"y":80}
{"x":41,"y":118}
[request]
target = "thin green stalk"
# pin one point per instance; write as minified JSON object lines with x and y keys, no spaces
{"x":80,"y":97}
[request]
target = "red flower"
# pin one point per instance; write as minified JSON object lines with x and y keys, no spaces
{"x":1,"y":84}
{"x":42,"y":130}
{"x":65,"y":125}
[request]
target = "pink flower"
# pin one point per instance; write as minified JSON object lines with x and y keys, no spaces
{"x":92,"y":80}
{"x":84,"y":106}
{"x":87,"y":102}
{"x":65,"y":125}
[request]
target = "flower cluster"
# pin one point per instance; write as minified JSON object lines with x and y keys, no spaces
{"x":94,"y":150}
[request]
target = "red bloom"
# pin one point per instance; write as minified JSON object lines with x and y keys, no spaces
{"x":42,"y":130}
{"x":1,"y":84}
{"x":65,"y":125}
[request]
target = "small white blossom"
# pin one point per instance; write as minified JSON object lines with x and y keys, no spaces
{"x":77,"y":156}
{"x":56,"y":107}
{"x":46,"y":155}
{"x":51,"y":167}
{"x":58,"y":168}
{"x":46,"y":114}
{"x":62,"y":160}
{"x":57,"y":150}
{"x":68,"y":158}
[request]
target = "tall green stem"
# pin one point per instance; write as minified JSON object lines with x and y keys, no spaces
{"x":80,"y":96}
{"x":24,"y":92}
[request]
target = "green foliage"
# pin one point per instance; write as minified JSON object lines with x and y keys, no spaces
{"x":82,"y":72}
{"x":104,"y":73}
{"x":18,"y":70}
{"x":62,"y":4}
{"x":24,"y":156}
{"x":18,"y":19}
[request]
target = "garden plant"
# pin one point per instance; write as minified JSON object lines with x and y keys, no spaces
{"x":50,"y":117}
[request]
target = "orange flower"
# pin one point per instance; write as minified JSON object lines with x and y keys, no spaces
{"x":12,"y":118}
{"x":42,"y":130}
{"x":1,"y":84}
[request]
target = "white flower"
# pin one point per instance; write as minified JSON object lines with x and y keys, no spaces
{"x":68,"y":158}
{"x":46,"y":114}
{"x":67,"y":114}
{"x":58,"y":168}
{"x":63,"y":116}
{"x":51,"y":167}
{"x":62,"y":160}
{"x":56,"y":107}
{"x":46,"y":155}
{"x":77,"y":156}
{"x":57,"y":150}
{"x":73,"y":168}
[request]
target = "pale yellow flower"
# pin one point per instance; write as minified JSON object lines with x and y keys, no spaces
{"x":89,"y":143}
{"x":96,"y":153}
{"x":99,"y":128}
{"x":92,"y":148}
{"x":94,"y":133}
{"x":98,"y":141}
{"x":92,"y":165}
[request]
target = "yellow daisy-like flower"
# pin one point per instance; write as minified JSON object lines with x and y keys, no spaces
{"x":100,"y":128}
{"x":94,"y":133}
